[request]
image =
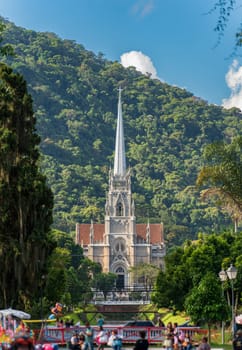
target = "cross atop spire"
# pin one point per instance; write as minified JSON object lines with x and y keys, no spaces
{"x":119,"y":157}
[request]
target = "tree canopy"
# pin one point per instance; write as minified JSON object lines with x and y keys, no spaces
{"x":223,"y":174}
{"x":205,"y":303}
{"x":26,"y":200}
{"x":166,"y":129}
{"x":190,"y":280}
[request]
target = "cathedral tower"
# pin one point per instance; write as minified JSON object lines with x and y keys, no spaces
{"x":120,"y":244}
{"x":119,"y":212}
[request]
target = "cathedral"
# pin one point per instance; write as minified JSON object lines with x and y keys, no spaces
{"x":120,"y":243}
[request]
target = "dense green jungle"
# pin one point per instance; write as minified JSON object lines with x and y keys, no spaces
{"x":166,"y":129}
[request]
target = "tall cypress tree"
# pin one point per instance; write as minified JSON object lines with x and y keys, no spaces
{"x":25,"y":200}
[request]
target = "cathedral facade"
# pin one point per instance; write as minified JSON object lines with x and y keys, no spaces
{"x":120,"y":243}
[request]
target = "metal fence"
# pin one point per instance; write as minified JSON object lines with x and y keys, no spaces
{"x":155,"y":335}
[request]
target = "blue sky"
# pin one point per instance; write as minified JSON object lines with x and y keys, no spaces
{"x":173,"y":39}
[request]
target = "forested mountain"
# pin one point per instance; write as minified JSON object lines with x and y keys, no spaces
{"x":166,"y":129}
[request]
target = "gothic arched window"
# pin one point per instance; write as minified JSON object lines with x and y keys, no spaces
{"x":120,"y":210}
{"x":120,"y":270}
{"x":119,"y":246}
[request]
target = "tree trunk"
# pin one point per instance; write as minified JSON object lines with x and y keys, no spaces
{"x":209,"y":333}
{"x":236,"y":221}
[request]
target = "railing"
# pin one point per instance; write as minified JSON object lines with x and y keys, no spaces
{"x":155,"y":335}
{"x":120,"y":302}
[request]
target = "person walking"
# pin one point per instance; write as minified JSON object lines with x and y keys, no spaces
{"x":89,"y":337}
{"x":101,"y":338}
{"x":142,"y":343}
{"x":115,"y":341}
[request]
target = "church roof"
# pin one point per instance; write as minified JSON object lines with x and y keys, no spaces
{"x":156,"y":232}
{"x":83,"y":233}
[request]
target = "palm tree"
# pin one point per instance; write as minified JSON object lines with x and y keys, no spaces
{"x":223,"y":175}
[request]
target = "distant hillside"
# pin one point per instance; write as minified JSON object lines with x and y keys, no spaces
{"x":166,"y":128}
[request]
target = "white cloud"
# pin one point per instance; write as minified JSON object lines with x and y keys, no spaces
{"x":143,"y":7}
{"x":234,"y":81}
{"x":140,"y":61}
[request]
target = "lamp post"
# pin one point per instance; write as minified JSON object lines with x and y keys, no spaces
{"x":223,"y":277}
{"x":231,"y":274}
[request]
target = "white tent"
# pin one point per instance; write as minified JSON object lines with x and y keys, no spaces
{"x":15,"y":313}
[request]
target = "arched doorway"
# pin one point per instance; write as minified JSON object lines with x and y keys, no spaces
{"x":120,"y":278}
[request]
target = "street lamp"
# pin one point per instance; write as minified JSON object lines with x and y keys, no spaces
{"x":223,"y":277}
{"x":231,"y":274}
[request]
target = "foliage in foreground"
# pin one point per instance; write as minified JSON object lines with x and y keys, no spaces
{"x":26,"y":200}
{"x":191,"y":277}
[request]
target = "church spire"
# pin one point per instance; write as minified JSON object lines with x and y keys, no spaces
{"x":119,"y":158}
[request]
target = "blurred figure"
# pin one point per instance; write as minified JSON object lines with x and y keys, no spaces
{"x":237,"y":342}
{"x":22,"y":343}
{"x":100,"y":321}
{"x":187,"y":343}
{"x":169,"y":327}
{"x":89,"y":336}
{"x":142,"y":343}
{"x":115,"y":340}
{"x":75,"y":341}
{"x":168,"y":342}
{"x":47,"y":346}
{"x":82,"y":342}
{"x":21,"y":327}
{"x":101,"y":338}
{"x":38,"y":347}
{"x":160,"y":323}
{"x":204,"y":344}
{"x":175,"y":336}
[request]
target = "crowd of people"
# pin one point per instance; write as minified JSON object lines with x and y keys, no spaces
{"x":176,"y":339}
{"x":85,"y":340}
